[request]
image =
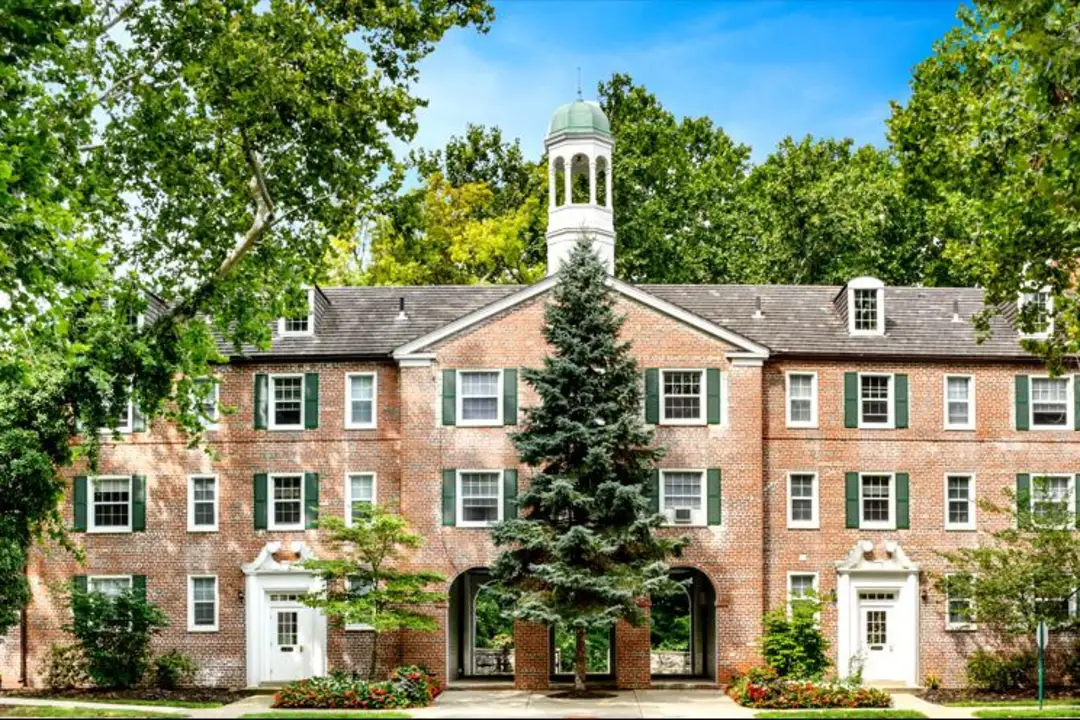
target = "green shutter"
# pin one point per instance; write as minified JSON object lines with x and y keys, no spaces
{"x":79,"y":501}
{"x":449,"y":397}
{"x":138,"y":502}
{"x":510,"y":490}
{"x":138,"y":420}
{"x":510,"y":392}
{"x":1076,"y":498}
{"x":311,"y":400}
{"x":1076,"y":402}
{"x":80,"y":583}
{"x":449,"y":497}
{"x":652,"y":396}
{"x":714,"y":496}
{"x":712,"y":395}
{"x":311,"y":500}
{"x":851,"y":499}
{"x":903,"y":501}
{"x":1023,"y":414}
{"x":260,"y":501}
{"x":138,"y":585}
{"x":900,"y":403}
{"x":851,"y":400}
{"x":654,"y":492}
{"x":262,"y":400}
{"x":1023,"y":500}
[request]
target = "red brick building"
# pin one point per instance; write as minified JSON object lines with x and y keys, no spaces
{"x":833,"y":438}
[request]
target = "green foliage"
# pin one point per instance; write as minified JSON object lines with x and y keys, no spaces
{"x":597,"y":650}
{"x":584,"y":552}
{"x":363,"y":583}
{"x":410,"y":686}
{"x":669,"y":622}
{"x":65,"y":668}
{"x":932,"y":681}
{"x":763,"y":688}
{"x":114,"y":634}
{"x":847,"y":713}
{"x":793,"y":642}
{"x":492,"y":621}
{"x":173,"y":669}
{"x":1001,"y":671}
{"x":1072,"y":664}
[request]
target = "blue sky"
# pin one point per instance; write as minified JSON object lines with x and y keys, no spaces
{"x":761,"y":69}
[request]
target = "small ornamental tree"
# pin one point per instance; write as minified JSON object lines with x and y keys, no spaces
{"x":793,"y":643}
{"x":584,"y":552}
{"x":363,"y":584}
{"x":114,"y":632}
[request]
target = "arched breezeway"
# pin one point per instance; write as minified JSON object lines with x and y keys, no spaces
{"x":682,"y":632}
{"x":480,"y":632}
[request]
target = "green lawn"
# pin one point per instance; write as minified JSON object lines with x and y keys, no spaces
{"x":1029,"y":712}
{"x":1012,"y":703}
{"x":329,"y":714}
{"x":840,"y":713}
{"x":46,"y":711}
{"x":135,"y":701}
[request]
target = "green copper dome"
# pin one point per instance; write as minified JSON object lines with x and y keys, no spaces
{"x":579,"y":117}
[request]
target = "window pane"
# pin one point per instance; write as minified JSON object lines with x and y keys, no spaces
{"x":875,"y":398}
{"x":959,"y":499}
{"x":875,"y":504}
{"x":480,"y":497}
{"x":1050,"y":497}
{"x":1049,"y":401}
{"x":801,"y":388}
{"x":799,"y":585}
{"x":109,"y":586}
{"x":286,"y":627}
{"x":682,"y":490}
{"x":296,"y":325}
{"x":802,"y":493}
{"x":865,"y":309}
{"x":361,"y":400}
{"x":480,"y":395}
{"x":361,"y":487}
{"x":288,"y":400}
{"x":682,"y":395}
{"x":111,"y":502}
{"x":287,"y":493}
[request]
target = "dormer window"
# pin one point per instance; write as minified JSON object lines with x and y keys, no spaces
{"x":1041,"y":312}
{"x":866,"y":306}
{"x":303,"y":325}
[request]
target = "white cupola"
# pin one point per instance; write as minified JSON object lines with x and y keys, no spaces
{"x":579,"y":146}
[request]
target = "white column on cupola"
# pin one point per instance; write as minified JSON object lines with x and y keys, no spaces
{"x":592,"y":180}
{"x":551,"y":183}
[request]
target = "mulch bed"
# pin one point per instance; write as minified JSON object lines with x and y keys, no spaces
{"x":948,"y":695}
{"x":192,"y":694}
{"x":578,"y":695}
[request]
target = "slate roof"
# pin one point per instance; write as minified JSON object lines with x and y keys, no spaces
{"x":798,"y":320}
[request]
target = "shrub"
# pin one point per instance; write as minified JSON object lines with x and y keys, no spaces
{"x":1000,"y":671}
{"x":410,"y":686}
{"x":780,"y":694}
{"x":1072,"y":664}
{"x":172,"y":669}
{"x":65,"y":667}
{"x":932,"y":681}
{"x":114,"y":634}
{"x":793,"y":643}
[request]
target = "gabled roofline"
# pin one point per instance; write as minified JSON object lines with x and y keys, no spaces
{"x":743,"y":344}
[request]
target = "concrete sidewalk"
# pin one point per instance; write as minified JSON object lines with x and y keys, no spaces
{"x":253,"y":704}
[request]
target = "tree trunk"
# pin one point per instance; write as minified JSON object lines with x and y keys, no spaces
{"x":374,"y":656}
{"x":580,"y":661}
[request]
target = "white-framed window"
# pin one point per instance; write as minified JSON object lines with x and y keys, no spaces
{"x":127,"y":417}
{"x":287,"y":402}
{"x":682,"y":497}
{"x":202,"y":603}
{"x":299,"y":326}
{"x":202,"y":503}
{"x":959,"y":501}
{"x":479,"y":498}
{"x":359,"y":491}
{"x":877,"y":501}
{"x":359,"y":587}
{"x":208,"y":407}
{"x":479,"y":397}
{"x":802,"y":399}
{"x":109,"y":585}
{"x":1045,"y":302}
{"x":361,"y":391}
{"x":1052,"y":497}
{"x":286,"y":493}
{"x":876,"y":400}
{"x":1051,"y":403}
{"x":110,"y":504}
{"x":682,"y":397}
{"x":800,"y":585}
{"x":866,"y":306}
{"x":959,"y":402}
{"x":959,"y":605}
{"x":803,"y":500}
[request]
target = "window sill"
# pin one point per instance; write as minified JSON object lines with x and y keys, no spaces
{"x":359,"y":628}
{"x":961,"y":628}
{"x":202,"y":629}
{"x":802,"y":426}
{"x":959,"y":428}
{"x":370,"y":426}
{"x":292,"y":428}
{"x":960,"y":528}
{"x":109,"y":531}
{"x":873,"y":526}
{"x":1050,"y":428}
{"x":476,"y":526}
{"x":876,"y":426}
{"x":683,"y":423}
{"x":286,"y":528}
{"x":208,"y":529}
{"x":480,"y":424}
{"x":804,"y":526}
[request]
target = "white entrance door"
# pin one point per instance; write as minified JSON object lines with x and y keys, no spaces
{"x":291,"y":652}
{"x":878,"y":638}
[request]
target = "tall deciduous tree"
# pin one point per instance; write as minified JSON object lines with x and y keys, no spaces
{"x":584,"y":551}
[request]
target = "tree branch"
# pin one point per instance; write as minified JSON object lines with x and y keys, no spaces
{"x":120,"y":15}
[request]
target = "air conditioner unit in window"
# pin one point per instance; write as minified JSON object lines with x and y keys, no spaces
{"x":683,"y":516}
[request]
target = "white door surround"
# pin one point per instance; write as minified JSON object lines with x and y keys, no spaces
{"x":285,"y":639}
{"x":877,"y":603}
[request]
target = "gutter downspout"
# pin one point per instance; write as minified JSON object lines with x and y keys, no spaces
{"x":24,"y":630}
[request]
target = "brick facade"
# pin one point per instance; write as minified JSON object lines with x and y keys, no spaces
{"x":746,"y":558}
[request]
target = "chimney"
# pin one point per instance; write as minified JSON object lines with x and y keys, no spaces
{"x":757,"y":308}
{"x":401,"y":309}
{"x":955,"y":310}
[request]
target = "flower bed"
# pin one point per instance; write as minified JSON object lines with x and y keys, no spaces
{"x":762,"y":689}
{"x":410,"y":686}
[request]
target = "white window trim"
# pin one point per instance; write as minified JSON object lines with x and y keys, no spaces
{"x":348,"y":491}
{"x":126,"y":429}
{"x":787,"y":586}
{"x":459,"y":399}
{"x":1045,"y":473}
{"x":270,"y":502}
{"x":961,"y":626}
{"x":970,"y":424}
{"x":1069,"y":419}
{"x":702,"y":398}
{"x":191,"y":526}
{"x":91,"y":578}
{"x":813,"y":524}
{"x":971,"y":524}
{"x":270,"y":423}
{"x":357,"y":627}
{"x":878,"y":525}
{"x":866,"y":283}
{"x":90,"y":525}
{"x":890,"y":402}
{"x":213,"y":423}
{"x":702,"y":519}
{"x":310,"y":320}
{"x":349,"y":424}
{"x":459,"y":499}
{"x":192,"y":627}
{"x":1021,"y":301}
{"x":813,"y":422}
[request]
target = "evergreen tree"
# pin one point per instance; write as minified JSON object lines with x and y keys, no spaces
{"x":584,"y":552}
